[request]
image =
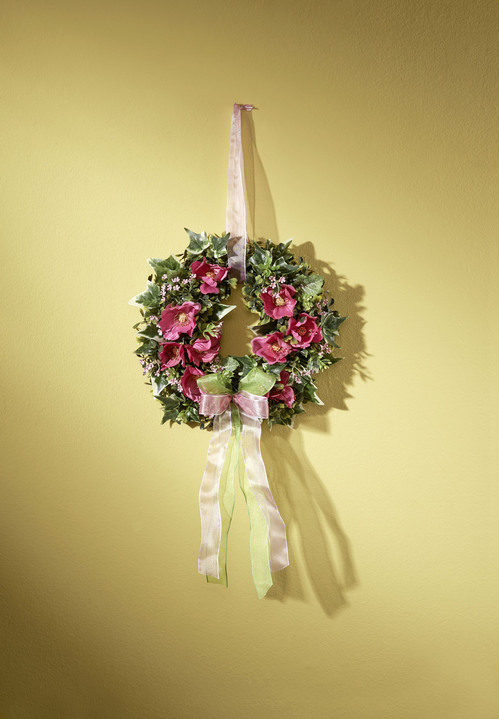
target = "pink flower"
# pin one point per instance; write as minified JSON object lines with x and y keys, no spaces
{"x":171,"y":354}
{"x":280,"y":392}
{"x":272,"y":347}
{"x":210,"y":275}
{"x":304,"y":330}
{"x":189,"y":384}
{"x":278,"y":303}
{"x":203,"y":350}
{"x":178,"y":319}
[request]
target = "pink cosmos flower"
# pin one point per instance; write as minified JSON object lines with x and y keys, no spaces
{"x":178,"y":319}
{"x":189,"y":384}
{"x":203,"y":350}
{"x":280,"y":392}
{"x":272,"y":347}
{"x":278,"y":303}
{"x":171,"y":354}
{"x":304,"y":330}
{"x":210,"y":275}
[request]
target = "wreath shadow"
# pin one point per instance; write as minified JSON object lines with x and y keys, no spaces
{"x":314,"y":530}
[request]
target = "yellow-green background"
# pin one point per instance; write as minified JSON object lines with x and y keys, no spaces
{"x":376,"y":150}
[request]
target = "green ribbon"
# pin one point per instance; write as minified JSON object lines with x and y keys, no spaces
{"x":256,"y":382}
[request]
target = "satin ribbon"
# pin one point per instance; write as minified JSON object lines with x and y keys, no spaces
{"x":236,"y":196}
{"x":236,"y":435}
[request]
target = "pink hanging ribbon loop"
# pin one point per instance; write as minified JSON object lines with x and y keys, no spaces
{"x":236,"y":196}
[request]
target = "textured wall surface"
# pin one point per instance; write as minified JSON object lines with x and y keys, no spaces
{"x":375,"y":148}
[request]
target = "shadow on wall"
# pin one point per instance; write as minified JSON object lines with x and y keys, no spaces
{"x":309,"y":516}
{"x":301,"y":496}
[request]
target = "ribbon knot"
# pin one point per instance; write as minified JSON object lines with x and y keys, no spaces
{"x":213,"y":405}
{"x":236,"y":436}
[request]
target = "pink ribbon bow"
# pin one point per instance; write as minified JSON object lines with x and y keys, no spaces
{"x":213,"y":405}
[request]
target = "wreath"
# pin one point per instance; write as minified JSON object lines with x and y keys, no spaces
{"x":182,"y":317}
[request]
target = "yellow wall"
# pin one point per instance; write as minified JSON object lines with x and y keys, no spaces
{"x":376,"y":150}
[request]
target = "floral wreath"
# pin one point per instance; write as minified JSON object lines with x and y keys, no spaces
{"x":182,"y":316}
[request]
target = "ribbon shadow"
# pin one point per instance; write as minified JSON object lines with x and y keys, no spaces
{"x":314,"y":530}
{"x":311,"y":521}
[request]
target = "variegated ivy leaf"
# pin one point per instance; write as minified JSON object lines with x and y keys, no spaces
{"x":150,"y":332}
{"x":260,"y":258}
{"x":219,"y":244}
{"x":158,"y":384}
{"x":312,"y":285}
{"x":330,"y":323}
{"x":198,"y":243}
{"x":149,"y":298}
{"x":219,"y":310}
{"x":164,"y":267}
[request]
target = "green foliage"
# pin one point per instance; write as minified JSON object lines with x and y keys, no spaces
{"x":218,"y":310}
{"x":198,"y":243}
{"x":268,"y":266}
{"x":219,"y":245}
{"x":312,"y":285}
{"x":150,"y":297}
{"x":162,"y":267}
{"x":330,"y":323}
{"x":260,"y":259}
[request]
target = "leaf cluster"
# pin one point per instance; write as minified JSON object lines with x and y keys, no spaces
{"x":267,"y":263}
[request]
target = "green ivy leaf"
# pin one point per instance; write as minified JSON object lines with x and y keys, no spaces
{"x":150,"y":298}
{"x":247,"y":364}
{"x":284,"y":267}
{"x":163,"y":267}
{"x":147,"y":348}
{"x":219,"y":244}
{"x":149,"y":332}
{"x":170,"y":414}
{"x":310,"y":391}
{"x":276,"y":368}
{"x":265,"y":329}
{"x":260,"y":258}
{"x":330,"y":323}
{"x":158,"y":384}
{"x":169,"y":402}
{"x":312,"y":285}
{"x":219,"y":310}
{"x":198,"y":243}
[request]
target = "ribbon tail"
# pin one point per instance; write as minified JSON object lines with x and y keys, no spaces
{"x":216,"y":502}
{"x":259,"y":548}
{"x":258,"y":483}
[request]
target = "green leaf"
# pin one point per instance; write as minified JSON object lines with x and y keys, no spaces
{"x":149,"y":332}
{"x":310,"y":391}
{"x":163,"y":267}
{"x":265,"y":329}
{"x":247,"y":364}
{"x":198,"y":243}
{"x":312,"y":285}
{"x":275,"y":368}
{"x":150,"y":298}
{"x":170,"y":414}
{"x":330,"y":323}
{"x":260,"y":258}
{"x":284,"y":267}
{"x":158,"y":384}
{"x":219,"y":310}
{"x":147,"y":348}
{"x":169,"y":402}
{"x":219,"y":244}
